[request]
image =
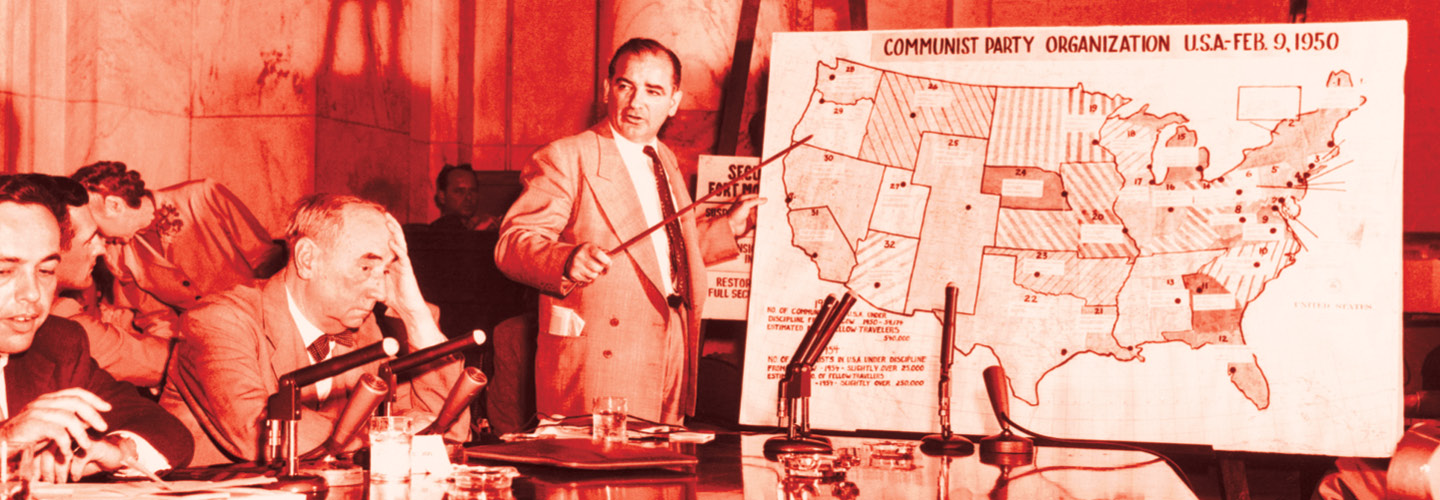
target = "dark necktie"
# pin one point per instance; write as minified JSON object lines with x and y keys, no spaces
{"x":321,"y":346}
{"x":679,"y":270}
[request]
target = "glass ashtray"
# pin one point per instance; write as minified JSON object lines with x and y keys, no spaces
{"x":477,"y":477}
{"x":801,"y":464}
{"x":891,"y":450}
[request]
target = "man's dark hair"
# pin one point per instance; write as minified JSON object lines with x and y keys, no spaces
{"x":638,"y":46}
{"x":113,"y":178}
{"x":64,"y":193}
{"x":442,"y":181}
{"x":30,"y":189}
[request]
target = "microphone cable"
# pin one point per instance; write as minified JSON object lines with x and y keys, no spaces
{"x":1111,"y":444}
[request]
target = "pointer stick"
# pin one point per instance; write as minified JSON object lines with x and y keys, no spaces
{"x":702,"y":199}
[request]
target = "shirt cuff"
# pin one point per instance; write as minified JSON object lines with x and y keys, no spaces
{"x":150,"y":458}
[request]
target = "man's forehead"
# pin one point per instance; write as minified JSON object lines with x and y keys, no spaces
{"x":27,"y":223}
{"x":362,"y":232}
{"x":645,"y":59}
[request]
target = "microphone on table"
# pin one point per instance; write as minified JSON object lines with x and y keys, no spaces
{"x":425,"y":356}
{"x":795,"y":385}
{"x":1005,"y":448}
{"x":368,"y":393}
{"x":947,"y":443}
{"x":464,"y":391}
{"x":283,"y":408}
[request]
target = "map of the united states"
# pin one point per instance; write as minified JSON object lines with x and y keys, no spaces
{"x":1074,"y":222}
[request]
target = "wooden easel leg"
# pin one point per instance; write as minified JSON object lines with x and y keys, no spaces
{"x":1233,"y":483}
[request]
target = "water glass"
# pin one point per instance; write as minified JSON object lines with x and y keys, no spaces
{"x":389,"y":448}
{"x":607,"y":420}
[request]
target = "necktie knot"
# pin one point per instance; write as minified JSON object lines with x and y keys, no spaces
{"x":320,"y":348}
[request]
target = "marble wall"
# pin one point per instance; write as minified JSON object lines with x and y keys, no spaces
{"x":281,"y":98}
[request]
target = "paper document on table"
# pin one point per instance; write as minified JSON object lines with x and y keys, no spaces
{"x":234,"y":488}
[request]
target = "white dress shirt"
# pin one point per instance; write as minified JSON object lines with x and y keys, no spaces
{"x":308,"y":334}
{"x":642,"y":174}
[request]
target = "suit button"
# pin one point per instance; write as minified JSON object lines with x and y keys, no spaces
{"x":185,"y":283}
{"x":608,"y":354}
{"x":614,"y":322}
{"x":197,"y":297}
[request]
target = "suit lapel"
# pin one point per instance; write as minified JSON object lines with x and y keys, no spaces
{"x":288,"y":348}
{"x":619,"y":202}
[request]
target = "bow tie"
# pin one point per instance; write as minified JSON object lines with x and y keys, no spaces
{"x":321,"y":346}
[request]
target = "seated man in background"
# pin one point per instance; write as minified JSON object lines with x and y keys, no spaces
{"x":126,"y":354}
{"x":346,"y":254}
{"x":456,"y":194}
{"x":54,"y":394}
{"x":174,"y":246}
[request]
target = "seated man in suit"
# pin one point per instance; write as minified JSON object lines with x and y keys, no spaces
{"x":172,"y":246}
{"x":55,"y":396}
{"x":127,"y":354}
{"x":346,"y":254}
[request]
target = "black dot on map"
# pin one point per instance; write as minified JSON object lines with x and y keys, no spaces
{"x":832,"y":77}
{"x":1064,"y":352}
{"x":1095,"y":142}
{"x":1129,"y":347}
{"x":1152,"y":182}
{"x":1307,"y":175}
{"x":1220,"y":179}
{"x":815,"y":255}
{"x":1272,"y":230}
{"x":877,"y":284}
{"x":1125,"y":230}
{"x":912,"y":114}
{"x":967,"y":207}
{"x":1177,"y":300}
{"x":1169,"y":209}
{"x":1199,"y":169}
{"x":1312,"y":165}
{"x":1239,"y":191}
{"x":1242,"y":220}
{"x":1289,"y":184}
{"x":1150,"y":167}
{"x":1257,"y":264}
{"x":822,"y":100}
{"x":902,"y":184}
{"x":1037,"y":274}
{"x":1064,"y":194}
{"x":1330,"y":144}
{"x":1232,"y":370}
{"x":1274,"y":208}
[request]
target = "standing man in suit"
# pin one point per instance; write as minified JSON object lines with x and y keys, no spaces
{"x":626,"y":325}
{"x":174,"y":246}
{"x":54,"y":395}
{"x":346,"y":254}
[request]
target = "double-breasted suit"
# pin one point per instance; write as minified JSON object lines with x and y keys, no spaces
{"x":232,"y":352}
{"x":628,"y":340}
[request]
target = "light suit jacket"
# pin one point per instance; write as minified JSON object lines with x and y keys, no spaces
{"x":577,"y":190}
{"x":231,"y":354}
{"x":209,"y":243}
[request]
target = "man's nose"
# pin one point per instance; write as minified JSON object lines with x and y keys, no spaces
{"x":28,"y":288}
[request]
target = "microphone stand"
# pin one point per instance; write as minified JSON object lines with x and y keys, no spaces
{"x":282,"y":414}
{"x":947,"y":443}
{"x":283,"y":409}
{"x":795,"y":385}
{"x":424,"y":356}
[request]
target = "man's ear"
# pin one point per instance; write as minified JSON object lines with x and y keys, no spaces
{"x":605,"y":91}
{"x":304,"y":258}
{"x":113,"y":205}
{"x":675,"y":99}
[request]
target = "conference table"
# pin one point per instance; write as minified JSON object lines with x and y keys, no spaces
{"x":734,"y":466}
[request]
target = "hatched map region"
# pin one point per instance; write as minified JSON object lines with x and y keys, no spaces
{"x":1051,"y":210}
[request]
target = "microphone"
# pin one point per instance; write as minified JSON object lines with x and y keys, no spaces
{"x":282,"y":412}
{"x":795,"y":385}
{"x":459,"y":398}
{"x":340,"y":364}
{"x":947,"y":443}
{"x":1005,"y":448}
{"x":424,"y":356}
{"x":363,"y":400}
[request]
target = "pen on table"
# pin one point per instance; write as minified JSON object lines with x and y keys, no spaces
{"x":134,"y":464}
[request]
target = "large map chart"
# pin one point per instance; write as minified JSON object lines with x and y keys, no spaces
{"x":1182,"y":234}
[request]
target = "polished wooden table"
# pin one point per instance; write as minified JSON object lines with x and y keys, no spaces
{"x":733,"y":466}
